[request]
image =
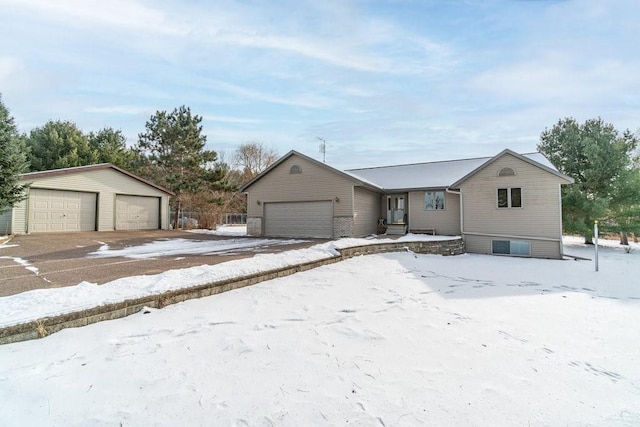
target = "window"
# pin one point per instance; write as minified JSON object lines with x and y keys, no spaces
{"x":510,"y":197}
{"x":506,"y":172}
{"x":295,"y":169}
{"x":434,"y":200}
{"x":511,"y":247}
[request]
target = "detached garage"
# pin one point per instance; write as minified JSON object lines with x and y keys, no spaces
{"x":100,"y":197}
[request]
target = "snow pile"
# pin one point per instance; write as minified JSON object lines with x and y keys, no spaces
{"x":35,"y":304}
{"x":223,"y":230}
{"x":173,"y":247}
{"x":392,"y":339}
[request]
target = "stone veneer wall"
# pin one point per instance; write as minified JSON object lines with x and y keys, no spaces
{"x":455,"y":246}
{"x":342,"y":226}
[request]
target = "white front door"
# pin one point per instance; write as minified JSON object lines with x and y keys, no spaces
{"x":395,"y":209}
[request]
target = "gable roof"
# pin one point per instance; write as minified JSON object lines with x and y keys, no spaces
{"x":539,"y":161}
{"x":418,"y":176}
{"x":358,"y":180}
{"x":76,"y":169}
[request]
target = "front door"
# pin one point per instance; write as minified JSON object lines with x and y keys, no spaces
{"x":395,"y":209}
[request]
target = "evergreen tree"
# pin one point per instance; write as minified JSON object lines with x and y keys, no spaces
{"x":601,"y":162}
{"x":110,"y":146}
{"x":173,"y":155}
{"x":13,"y":161}
{"x":59,"y":144}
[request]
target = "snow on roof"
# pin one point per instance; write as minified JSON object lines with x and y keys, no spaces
{"x":439,"y":174}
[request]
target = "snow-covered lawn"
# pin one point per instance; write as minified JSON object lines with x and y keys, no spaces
{"x":393,"y":339}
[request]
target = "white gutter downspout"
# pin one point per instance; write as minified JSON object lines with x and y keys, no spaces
{"x":459,"y":193}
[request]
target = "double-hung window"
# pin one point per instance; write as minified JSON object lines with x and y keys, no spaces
{"x":510,"y":197}
{"x":434,"y":200}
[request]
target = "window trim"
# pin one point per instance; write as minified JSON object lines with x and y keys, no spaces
{"x":434,"y":208}
{"x":509,"y":198}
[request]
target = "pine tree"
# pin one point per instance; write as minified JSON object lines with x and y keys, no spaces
{"x":13,"y":161}
{"x":173,"y":149}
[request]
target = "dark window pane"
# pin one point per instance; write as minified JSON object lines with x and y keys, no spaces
{"x":502,"y":198}
{"x":500,"y":247}
{"x":516,"y":197}
{"x":439,"y":203}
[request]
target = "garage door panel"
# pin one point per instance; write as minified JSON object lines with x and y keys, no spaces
{"x":137,"y":212}
{"x":58,"y":211}
{"x":299,"y":219}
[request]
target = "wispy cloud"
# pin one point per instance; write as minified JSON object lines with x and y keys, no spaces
{"x":404,"y":78}
{"x":112,"y":13}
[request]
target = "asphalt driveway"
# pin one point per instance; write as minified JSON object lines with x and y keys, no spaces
{"x":52,"y":260}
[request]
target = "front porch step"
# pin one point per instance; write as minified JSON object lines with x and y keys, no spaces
{"x":397,"y":229}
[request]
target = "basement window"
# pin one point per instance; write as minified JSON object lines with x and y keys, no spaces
{"x":511,"y":247}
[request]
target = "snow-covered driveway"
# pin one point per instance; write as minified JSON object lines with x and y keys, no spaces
{"x":53,"y":260}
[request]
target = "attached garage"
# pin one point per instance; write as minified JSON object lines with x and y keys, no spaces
{"x":57,"y":210}
{"x":100,"y":197}
{"x":299,"y":219}
{"x":137,"y":212}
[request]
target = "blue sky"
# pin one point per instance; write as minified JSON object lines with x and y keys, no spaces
{"x":383,"y":82}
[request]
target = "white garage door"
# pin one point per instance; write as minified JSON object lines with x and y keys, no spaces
{"x":54,"y":210}
{"x":299,"y":219}
{"x":137,"y":212}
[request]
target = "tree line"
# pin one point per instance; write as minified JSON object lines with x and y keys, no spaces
{"x":604,"y":163}
{"x":170,"y":152}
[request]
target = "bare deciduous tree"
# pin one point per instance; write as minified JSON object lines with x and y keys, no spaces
{"x":251,"y":158}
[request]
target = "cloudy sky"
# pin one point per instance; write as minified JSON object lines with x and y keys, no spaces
{"x":382,"y":82}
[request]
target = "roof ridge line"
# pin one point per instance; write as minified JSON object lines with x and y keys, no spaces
{"x":423,"y":163}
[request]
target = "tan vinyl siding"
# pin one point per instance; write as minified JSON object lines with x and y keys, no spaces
{"x":539,"y":248}
{"x":107,"y":183}
{"x":538,"y":221}
{"x":19,"y":217}
{"x":365,"y":213}
{"x":315,"y":183}
{"x":445,"y":222}
{"x":540,"y":214}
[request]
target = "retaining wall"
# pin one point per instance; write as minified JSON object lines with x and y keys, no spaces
{"x":42,"y":327}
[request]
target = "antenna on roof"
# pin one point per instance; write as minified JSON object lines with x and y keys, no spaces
{"x":323,"y":149}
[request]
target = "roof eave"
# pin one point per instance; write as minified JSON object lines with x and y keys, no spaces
{"x":99,"y":166}
{"x":357,"y":181}
{"x":560,"y":175}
